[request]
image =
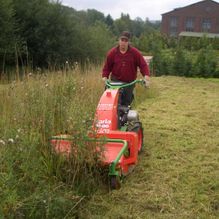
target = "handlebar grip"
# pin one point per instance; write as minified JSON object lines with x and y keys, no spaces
{"x":107,"y":82}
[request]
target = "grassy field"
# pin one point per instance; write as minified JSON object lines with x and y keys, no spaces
{"x":178,"y":172}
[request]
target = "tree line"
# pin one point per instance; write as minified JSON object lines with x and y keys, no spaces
{"x":45,"y":34}
{"x":183,"y":56}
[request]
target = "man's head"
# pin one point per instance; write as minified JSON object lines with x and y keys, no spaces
{"x":125,"y":35}
{"x":124,"y":41}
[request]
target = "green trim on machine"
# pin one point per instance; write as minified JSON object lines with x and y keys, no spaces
{"x":123,"y":128}
{"x":109,"y":85}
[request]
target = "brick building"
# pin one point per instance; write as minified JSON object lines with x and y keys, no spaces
{"x":199,"y":17}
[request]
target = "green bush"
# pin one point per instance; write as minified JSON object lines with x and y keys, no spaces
{"x":182,"y":63}
{"x":206,"y":63}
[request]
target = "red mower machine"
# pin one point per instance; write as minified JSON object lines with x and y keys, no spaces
{"x":120,"y":130}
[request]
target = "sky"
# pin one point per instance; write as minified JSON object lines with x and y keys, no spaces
{"x":151,"y":9}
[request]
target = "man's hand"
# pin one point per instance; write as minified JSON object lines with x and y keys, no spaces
{"x":104,"y":78}
{"x":146,"y":81}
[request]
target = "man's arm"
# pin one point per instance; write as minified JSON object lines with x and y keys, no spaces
{"x":141,"y":63}
{"x":108,"y":65}
{"x":144,"y":69}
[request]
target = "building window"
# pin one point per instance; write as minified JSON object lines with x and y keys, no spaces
{"x":190,"y":24}
{"x":206,"y":25}
{"x":173,"y":26}
{"x":217,"y":25}
{"x":173,"y":21}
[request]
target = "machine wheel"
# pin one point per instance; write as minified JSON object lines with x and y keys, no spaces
{"x":115,"y":182}
{"x":137,"y":128}
{"x":140,"y":139}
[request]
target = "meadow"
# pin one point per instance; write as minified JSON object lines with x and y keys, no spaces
{"x":177,"y":175}
{"x":35,"y":182}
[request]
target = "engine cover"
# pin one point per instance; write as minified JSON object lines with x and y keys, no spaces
{"x":132,"y":115}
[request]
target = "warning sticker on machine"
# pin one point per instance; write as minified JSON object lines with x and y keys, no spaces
{"x":105,"y":106}
{"x":103,"y":125}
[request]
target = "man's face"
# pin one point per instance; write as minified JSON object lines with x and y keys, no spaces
{"x":123,"y":44}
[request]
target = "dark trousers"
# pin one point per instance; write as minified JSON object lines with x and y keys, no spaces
{"x":126,"y":93}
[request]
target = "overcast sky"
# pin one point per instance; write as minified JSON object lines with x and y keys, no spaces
{"x":151,"y":9}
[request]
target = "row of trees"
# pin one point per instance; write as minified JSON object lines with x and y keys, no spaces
{"x":186,"y":56}
{"x":44,"y":33}
{"x":181,"y":62}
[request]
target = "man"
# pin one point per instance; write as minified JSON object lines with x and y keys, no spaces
{"x":121,"y":65}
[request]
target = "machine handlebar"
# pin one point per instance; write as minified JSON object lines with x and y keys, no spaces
{"x":118,"y":85}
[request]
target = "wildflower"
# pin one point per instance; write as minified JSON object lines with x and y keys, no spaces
{"x":39,"y":69}
{"x":11,"y":140}
{"x":2,"y":142}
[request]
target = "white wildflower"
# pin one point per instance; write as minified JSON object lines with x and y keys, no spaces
{"x":2,"y":142}
{"x":11,"y":140}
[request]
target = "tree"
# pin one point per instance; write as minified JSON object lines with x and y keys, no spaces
{"x":101,"y":40}
{"x":7,"y":30}
{"x":109,"y":21}
{"x":31,"y":17}
{"x":7,"y":24}
{"x":137,"y":27}
{"x":123,"y":23}
{"x":157,"y":60}
{"x":49,"y":30}
{"x":182,"y":65}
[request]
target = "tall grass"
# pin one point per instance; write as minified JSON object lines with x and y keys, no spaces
{"x":34,"y":181}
